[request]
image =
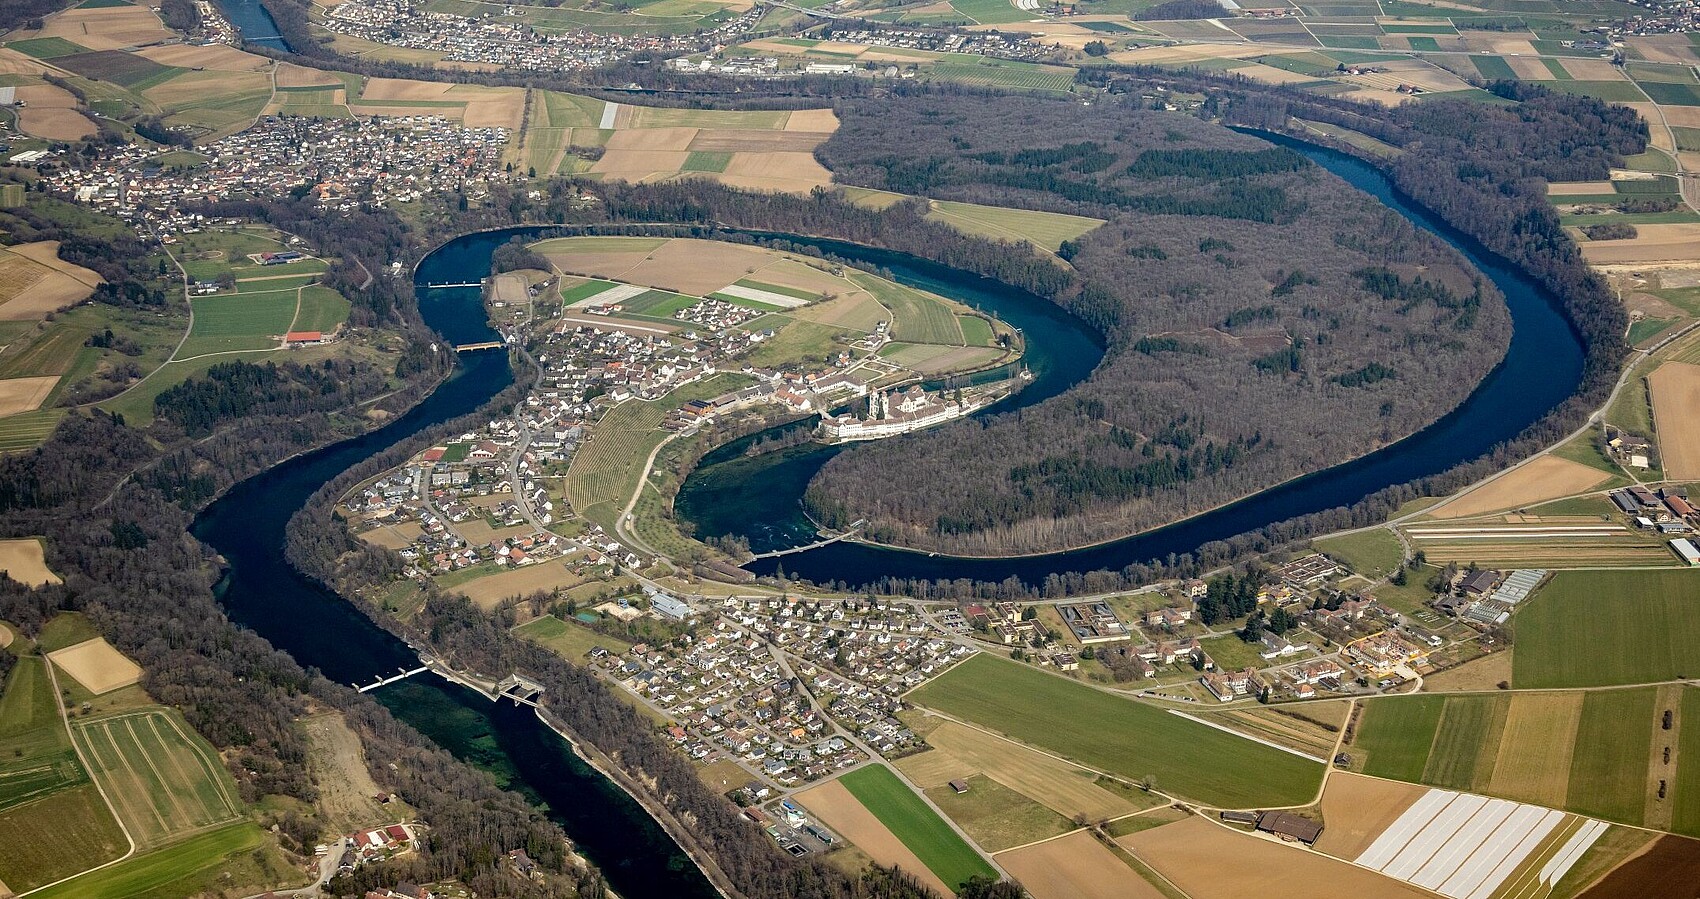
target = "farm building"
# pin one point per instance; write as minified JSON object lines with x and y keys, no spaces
{"x":1685,"y":549}
{"x":1289,"y":826}
{"x":304,"y":338}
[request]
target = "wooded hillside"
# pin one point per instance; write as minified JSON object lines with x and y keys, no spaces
{"x":1264,"y":320}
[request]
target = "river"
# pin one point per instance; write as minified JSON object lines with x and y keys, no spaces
{"x":731,"y":493}
{"x":319,"y":629}
{"x":254,"y":22}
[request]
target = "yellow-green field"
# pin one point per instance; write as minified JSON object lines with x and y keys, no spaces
{"x":164,"y":780}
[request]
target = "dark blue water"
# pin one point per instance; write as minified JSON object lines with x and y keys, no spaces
{"x":253,"y":21}
{"x":1542,"y":368}
{"x":319,"y":629}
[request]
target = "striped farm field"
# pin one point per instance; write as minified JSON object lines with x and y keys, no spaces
{"x":914,"y":822}
{"x":1594,"y":753}
{"x":164,"y":781}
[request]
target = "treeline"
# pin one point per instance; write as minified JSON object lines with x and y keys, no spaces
{"x":238,"y":389}
{"x":27,"y":13}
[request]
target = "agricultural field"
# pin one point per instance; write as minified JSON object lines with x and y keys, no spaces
{"x":1125,"y":738}
{"x":1311,"y":728}
{"x":239,"y":322}
{"x":1675,"y":388}
{"x":1203,"y":859}
{"x":996,"y":817}
{"x":165,"y":781}
{"x":1075,"y":867}
{"x":96,"y":665}
{"x":55,"y":837}
{"x":1600,"y":628}
{"x":1544,"y":478}
{"x":839,"y":809}
{"x":1594,"y":753}
{"x":23,"y":561}
{"x":960,"y":752}
{"x":915,"y":824}
{"x":1540,"y":541}
{"x":1464,"y":846}
{"x":36,"y":758}
{"x":239,"y":857}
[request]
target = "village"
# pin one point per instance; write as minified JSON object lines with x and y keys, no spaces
{"x":508,"y":44}
{"x":342,"y":163}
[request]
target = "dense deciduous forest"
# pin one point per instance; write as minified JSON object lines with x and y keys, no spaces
{"x":1261,"y":317}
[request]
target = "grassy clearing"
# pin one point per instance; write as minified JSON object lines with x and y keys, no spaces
{"x":997,"y":817}
{"x":568,"y":639}
{"x":916,"y":824}
{"x":1044,"y":229}
{"x":1598,"y":628}
{"x":1373,"y":554}
{"x":1122,"y":737}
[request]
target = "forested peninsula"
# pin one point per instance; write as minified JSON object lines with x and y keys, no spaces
{"x":1263,"y":320}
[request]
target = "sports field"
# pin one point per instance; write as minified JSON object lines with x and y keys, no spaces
{"x":916,"y":824}
{"x":1119,"y":736}
{"x":164,"y":781}
{"x":1592,"y":628}
{"x":1596,"y":753}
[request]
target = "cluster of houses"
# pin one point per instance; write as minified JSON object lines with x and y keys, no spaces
{"x":1013,"y":45}
{"x":214,"y":28}
{"x":728,"y":695}
{"x":342,"y":162}
{"x":717,"y":314}
{"x":376,"y":845}
{"x":504,"y":41}
{"x":793,"y":690}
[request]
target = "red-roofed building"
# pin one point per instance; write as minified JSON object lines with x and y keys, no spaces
{"x":397,"y":833}
{"x":304,"y":338}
